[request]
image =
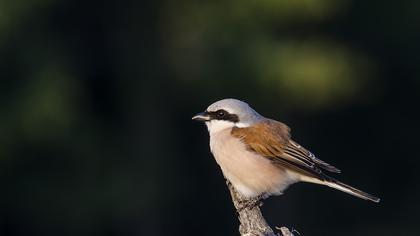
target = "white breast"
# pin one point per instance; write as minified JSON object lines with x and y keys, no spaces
{"x":250,"y":173}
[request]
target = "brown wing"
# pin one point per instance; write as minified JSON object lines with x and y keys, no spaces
{"x":271,"y":139}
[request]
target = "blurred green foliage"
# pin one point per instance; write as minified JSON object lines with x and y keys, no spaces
{"x":310,"y":70}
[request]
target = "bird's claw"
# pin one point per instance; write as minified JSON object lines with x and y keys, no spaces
{"x":250,"y":203}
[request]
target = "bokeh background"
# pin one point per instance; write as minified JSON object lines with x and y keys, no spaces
{"x":96,"y":100}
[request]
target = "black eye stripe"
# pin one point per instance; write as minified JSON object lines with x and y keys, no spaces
{"x":223,"y":115}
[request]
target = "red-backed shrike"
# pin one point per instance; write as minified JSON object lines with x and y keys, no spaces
{"x":257,"y":154}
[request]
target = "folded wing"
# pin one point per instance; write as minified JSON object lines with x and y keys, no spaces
{"x":272,"y":140}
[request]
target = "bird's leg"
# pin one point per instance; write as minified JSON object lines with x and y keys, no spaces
{"x":245,"y":203}
{"x":251,"y":203}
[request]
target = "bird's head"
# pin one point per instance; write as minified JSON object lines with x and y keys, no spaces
{"x":228,"y":113}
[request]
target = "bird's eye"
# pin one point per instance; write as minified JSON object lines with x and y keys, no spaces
{"x":221,"y":113}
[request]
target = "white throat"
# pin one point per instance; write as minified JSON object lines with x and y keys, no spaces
{"x":215,"y":126}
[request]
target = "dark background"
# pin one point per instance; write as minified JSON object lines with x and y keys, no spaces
{"x":96,"y":100}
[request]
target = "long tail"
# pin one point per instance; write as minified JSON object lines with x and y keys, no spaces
{"x":333,"y":183}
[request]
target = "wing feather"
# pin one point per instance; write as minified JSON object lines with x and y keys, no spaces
{"x":272,"y":140}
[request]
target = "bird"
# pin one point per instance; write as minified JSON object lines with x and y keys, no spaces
{"x":258,"y":156}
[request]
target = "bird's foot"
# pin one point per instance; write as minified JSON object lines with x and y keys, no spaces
{"x":250,"y":203}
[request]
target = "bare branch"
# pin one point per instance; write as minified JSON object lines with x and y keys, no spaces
{"x":252,"y":223}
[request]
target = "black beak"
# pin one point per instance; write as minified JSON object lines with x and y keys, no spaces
{"x":202,"y":116}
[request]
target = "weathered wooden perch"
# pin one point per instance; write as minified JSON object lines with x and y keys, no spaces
{"x":252,"y":223}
